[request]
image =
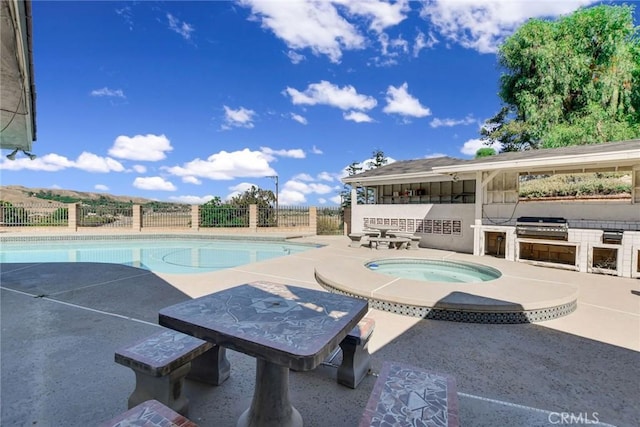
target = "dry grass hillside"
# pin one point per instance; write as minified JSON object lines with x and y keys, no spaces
{"x":17,"y":194}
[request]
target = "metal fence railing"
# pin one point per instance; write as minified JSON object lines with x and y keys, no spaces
{"x":285,"y":216}
{"x":34,"y":215}
{"x":330,"y":221}
{"x":178,"y":216}
{"x":326,"y":220}
{"x":223,"y":216}
{"x":105,"y":216}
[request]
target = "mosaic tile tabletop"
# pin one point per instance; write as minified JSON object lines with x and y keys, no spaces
{"x":407,"y":396}
{"x":282,"y":324}
{"x":149,"y":414}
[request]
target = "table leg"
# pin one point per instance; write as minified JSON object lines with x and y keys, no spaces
{"x":271,"y":406}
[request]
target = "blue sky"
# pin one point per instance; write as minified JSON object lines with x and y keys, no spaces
{"x":183,"y":101}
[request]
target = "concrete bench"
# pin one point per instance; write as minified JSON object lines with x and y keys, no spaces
{"x":356,"y":360}
{"x":407,"y":396}
{"x":414,"y":241}
{"x":149,"y":413}
{"x":358,"y":238}
{"x":163,"y":360}
{"x":392,"y":242}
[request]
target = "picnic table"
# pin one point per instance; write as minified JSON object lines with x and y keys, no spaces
{"x":284,"y":327}
{"x":383,"y":229}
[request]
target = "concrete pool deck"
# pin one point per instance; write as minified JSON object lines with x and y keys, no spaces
{"x":61,"y":324}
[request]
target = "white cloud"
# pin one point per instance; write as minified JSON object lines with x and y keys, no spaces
{"x":270,"y":153}
{"x":87,"y":162}
{"x":101,"y":187}
{"x":191,"y":200}
{"x":471,"y":146}
{"x":226,"y":165}
{"x":105,"y":91}
{"x":337,"y":199}
{"x":436,"y":123}
{"x":325,"y":176}
{"x":399,"y":101}
{"x":326,"y":93}
{"x":392,"y":47}
{"x":191,"y":180}
{"x":295,"y":57}
{"x":316,"y":25}
{"x":93,"y":163}
{"x":155,"y":183}
{"x":241,"y":117}
{"x":182,"y":28}
{"x":483,"y":24}
{"x":357,"y":116}
{"x":302,"y":177}
{"x":381,"y":14}
{"x":150,"y":148}
{"x":139,"y":168}
{"x":434,"y":155}
{"x":291,"y":197}
{"x":298,"y":118}
{"x":316,"y":150}
{"x":422,"y":42}
{"x":47,"y":163}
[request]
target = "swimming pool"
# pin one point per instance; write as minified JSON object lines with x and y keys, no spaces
{"x":161,"y":254}
{"x":435,"y":270}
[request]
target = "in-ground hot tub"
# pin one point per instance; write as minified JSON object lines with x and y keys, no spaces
{"x":432,"y":270}
{"x":454,"y":288}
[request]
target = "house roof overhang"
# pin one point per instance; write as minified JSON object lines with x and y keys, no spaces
{"x":17,"y":92}
{"x":622,"y":155}
{"x":614,"y":155}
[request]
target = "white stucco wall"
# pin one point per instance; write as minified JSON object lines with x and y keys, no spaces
{"x":462,"y":242}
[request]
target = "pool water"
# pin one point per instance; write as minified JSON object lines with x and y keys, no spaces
{"x":177,"y":256}
{"x":435,"y":270}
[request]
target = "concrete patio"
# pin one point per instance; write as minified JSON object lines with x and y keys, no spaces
{"x":61,"y":324}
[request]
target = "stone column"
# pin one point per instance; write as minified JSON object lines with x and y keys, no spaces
{"x":313,"y":220}
{"x":136,"y":218}
{"x":74,"y":214}
{"x":253,"y":218}
{"x":195,"y":217}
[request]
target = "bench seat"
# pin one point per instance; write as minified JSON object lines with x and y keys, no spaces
{"x":162,"y":361}
{"x":414,"y":241}
{"x":356,"y":360}
{"x":404,"y":395}
{"x":149,"y":413}
{"x":393,"y":242}
{"x":358,"y":238}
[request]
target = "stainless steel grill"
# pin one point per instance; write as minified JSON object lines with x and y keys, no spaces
{"x":542,"y":227}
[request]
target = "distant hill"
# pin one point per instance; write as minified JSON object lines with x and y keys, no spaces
{"x":17,"y":194}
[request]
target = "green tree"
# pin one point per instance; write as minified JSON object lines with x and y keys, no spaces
{"x":215,"y":213}
{"x":485,"y":152}
{"x":378,"y":159}
{"x":575,"y":80}
{"x":353,"y":169}
{"x":265,"y":201}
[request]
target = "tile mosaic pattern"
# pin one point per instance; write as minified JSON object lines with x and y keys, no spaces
{"x":273,"y":321}
{"x":149,"y":414}
{"x":162,"y":352}
{"x":417,"y":225}
{"x":467,"y":316}
{"x":411,"y":397}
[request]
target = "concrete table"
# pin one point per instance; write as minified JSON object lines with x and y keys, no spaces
{"x":282,"y":326}
{"x":383,"y":229}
